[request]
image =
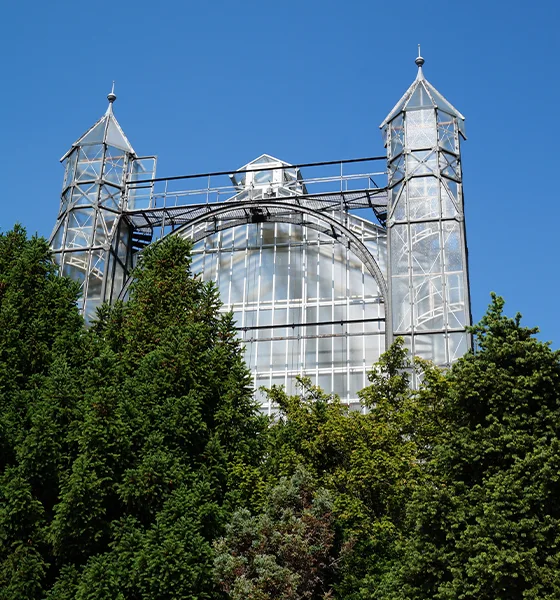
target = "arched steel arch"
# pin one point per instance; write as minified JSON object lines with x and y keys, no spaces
{"x":283,"y":212}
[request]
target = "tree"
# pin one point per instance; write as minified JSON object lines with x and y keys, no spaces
{"x":284,"y":553}
{"x":486,"y":524}
{"x":40,"y":351}
{"x":370,"y":462}
{"x":151,"y":424}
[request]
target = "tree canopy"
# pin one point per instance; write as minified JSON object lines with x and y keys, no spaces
{"x":124,"y":447}
{"x":135,"y":464}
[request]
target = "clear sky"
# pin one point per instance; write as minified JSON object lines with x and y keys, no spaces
{"x":211,"y":85}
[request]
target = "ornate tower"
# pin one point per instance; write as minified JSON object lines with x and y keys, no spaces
{"x":91,"y":239}
{"x":427,"y":274}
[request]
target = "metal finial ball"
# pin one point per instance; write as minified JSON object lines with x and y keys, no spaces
{"x":111,"y":97}
{"x":419,"y":61}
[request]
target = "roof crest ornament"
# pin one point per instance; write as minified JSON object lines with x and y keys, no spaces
{"x":419,"y":61}
{"x":111,"y":96}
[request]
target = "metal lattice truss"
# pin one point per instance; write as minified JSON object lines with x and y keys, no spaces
{"x":265,"y":190}
{"x":260,"y":208}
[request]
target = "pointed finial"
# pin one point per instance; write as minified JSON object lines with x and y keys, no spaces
{"x":419,"y":61}
{"x":111,"y":96}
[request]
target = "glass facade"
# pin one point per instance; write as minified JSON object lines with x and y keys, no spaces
{"x":304,"y":304}
{"x":320,"y":272}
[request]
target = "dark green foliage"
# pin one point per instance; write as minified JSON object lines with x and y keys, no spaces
{"x":486,"y":524}
{"x":124,"y":447}
{"x":40,"y":341}
{"x":286,"y":552}
{"x":448,"y":492}
{"x":370,"y":462}
{"x":128,"y":449}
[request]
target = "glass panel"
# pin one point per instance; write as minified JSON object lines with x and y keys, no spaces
{"x":324,"y":381}
{"x":357,"y":381}
{"x":399,"y":250}
{"x":396,"y":170}
{"x":397,"y":136}
{"x":281,"y":271}
{"x":421,"y":162}
{"x":65,"y":200}
{"x":85,"y":196}
{"x":296,"y":273}
{"x":58,"y":238}
{"x":252,"y":275}
{"x":91,"y":153}
{"x":124,"y":246}
{"x":115,"y":137}
{"x":421,"y":130}
{"x":425,"y":248}
{"x":80,"y":227}
{"x":75,"y":265}
{"x":431,"y":347}
{"x":312,"y":272}
{"x":90,"y":308}
{"x":110,"y":196}
{"x":372,"y":349}
{"x":100,"y":236}
{"x":326,"y":272}
{"x":70,"y":168}
{"x":458,"y":345}
{"x":114,"y":165}
{"x":398,"y":200}
{"x":95,"y":282}
{"x":310,"y":352}
{"x":447,"y":134}
{"x":339,"y":272}
{"x":449,"y":165}
{"x":89,"y":170}
{"x":455,"y":293}
{"x":95,"y":135}
{"x":420,"y":98}
{"x":278,"y":355}
{"x":239,"y":277}
{"x":452,"y":245}
{"x":356,"y":349}
{"x":141,"y":196}
{"x":448,"y":207}
{"x":266,"y":275}
{"x":428,"y":303}
{"x":262,"y":177}
{"x":423,"y":198}
{"x":401,"y":304}
{"x":263,"y":355}
{"x":340,"y":385}
{"x":265,"y":159}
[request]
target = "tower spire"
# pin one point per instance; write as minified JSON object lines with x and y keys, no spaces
{"x":111,"y":96}
{"x":419,"y":61}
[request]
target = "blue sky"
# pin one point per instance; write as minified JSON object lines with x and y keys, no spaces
{"x":210,"y":85}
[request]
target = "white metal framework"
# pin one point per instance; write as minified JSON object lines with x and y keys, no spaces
{"x":427,"y":278}
{"x":320,"y":265}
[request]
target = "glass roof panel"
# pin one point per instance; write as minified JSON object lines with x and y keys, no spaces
{"x":442,"y":103}
{"x":95,"y":135}
{"x":263,"y":160}
{"x":115,"y":136}
{"x":420,"y":98}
